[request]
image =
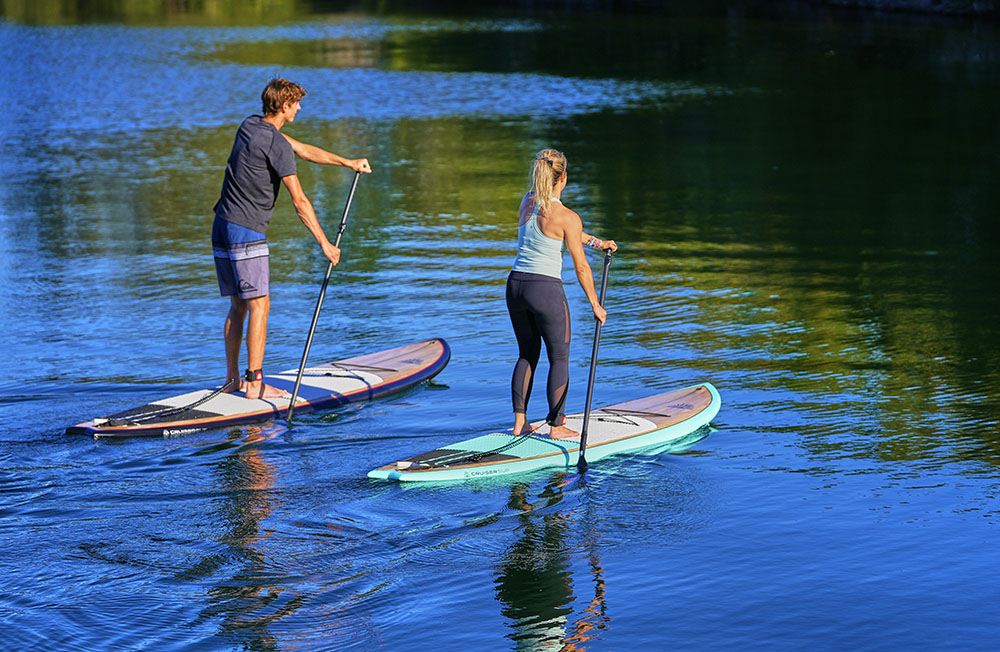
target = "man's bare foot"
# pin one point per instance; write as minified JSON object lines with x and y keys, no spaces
{"x":233,"y":386}
{"x":258,"y":389}
{"x":562,"y":432}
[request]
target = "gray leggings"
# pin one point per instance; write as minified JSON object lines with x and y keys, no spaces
{"x":539,"y":312}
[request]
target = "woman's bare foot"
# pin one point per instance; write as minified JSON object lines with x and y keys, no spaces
{"x":520,"y":424}
{"x":259,"y":389}
{"x":562,"y":432}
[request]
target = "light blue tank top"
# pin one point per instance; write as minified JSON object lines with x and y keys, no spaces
{"x":537,"y":253}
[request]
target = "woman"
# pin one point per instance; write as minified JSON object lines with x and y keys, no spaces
{"x":535,"y":297}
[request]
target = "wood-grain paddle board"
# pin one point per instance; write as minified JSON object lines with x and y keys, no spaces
{"x":324,"y":386}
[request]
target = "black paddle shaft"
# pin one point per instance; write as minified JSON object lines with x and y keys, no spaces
{"x":581,"y":463}
{"x":319,"y":302}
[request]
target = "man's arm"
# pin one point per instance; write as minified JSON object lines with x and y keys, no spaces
{"x":315,"y":154}
{"x":306,"y":213}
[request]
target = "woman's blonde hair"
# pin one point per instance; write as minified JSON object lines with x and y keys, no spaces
{"x":548,"y":168}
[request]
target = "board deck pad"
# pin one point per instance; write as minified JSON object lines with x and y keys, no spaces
{"x":672,"y":418}
{"x":323,"y":386}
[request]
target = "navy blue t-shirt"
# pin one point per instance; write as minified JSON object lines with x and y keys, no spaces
{"x":260,"y":158}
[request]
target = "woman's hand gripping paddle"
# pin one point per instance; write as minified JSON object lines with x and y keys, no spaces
{"x":581,"y":463}
{"x":319,"y":303}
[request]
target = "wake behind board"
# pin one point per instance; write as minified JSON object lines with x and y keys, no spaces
{"x":659,"y":420}
{"x":360,"y":378}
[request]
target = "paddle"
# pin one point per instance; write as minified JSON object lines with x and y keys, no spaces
{"x":319,"y":303}
{"x":581,"y":463}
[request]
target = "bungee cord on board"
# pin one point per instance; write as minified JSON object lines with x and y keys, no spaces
{"x":165,"y":413}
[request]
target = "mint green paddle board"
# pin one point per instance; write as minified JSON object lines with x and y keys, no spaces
{"x":654,"y":421}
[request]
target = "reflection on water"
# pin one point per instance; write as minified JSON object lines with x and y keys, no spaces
{"x":534,"y":584}
{"x":248,"y":601}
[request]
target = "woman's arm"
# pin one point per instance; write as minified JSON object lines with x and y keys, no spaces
{"x":573,"y":236}
{"x":597,"y":243}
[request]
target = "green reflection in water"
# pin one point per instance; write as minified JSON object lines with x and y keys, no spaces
{"x":154,"y":12}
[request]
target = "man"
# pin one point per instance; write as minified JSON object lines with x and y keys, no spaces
{"x":261,"y":161}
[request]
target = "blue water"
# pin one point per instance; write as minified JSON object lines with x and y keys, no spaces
{"x":806,"y":208}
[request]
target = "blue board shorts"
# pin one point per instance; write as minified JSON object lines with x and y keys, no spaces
{"x":241,"y":260}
